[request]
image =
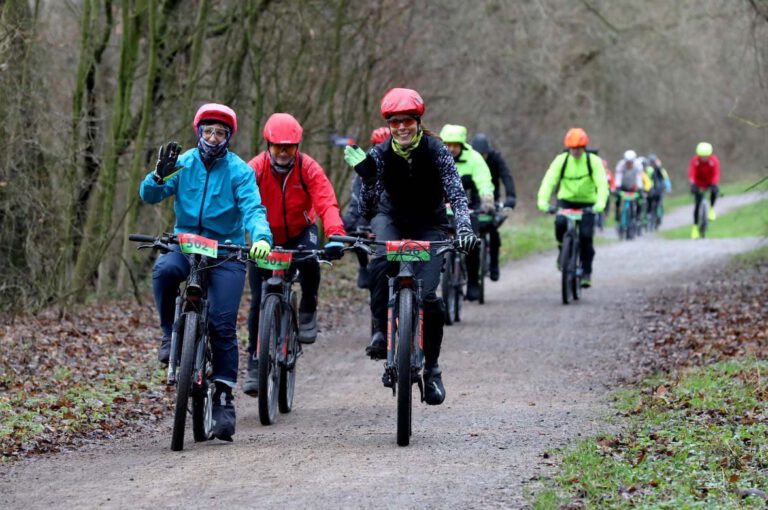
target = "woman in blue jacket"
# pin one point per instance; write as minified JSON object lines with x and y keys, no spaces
{"x":216,"y":197}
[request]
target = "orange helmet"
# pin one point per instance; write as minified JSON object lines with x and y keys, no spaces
{"x":379,"y":135}
{"x":575,"y":138}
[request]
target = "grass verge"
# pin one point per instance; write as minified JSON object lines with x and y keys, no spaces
{"x":521,"y":237}
{"x":747,"y":221}
{"x":697,"y":440}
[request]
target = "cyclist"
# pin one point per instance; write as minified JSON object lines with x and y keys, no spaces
{"x":583,"y":184}
{"x":295,"y":191}
{"x":611,"y":190}
{"x":499,"y":172}
{"x":660,"y":184}
{"x":198,"y":179}
{"x":629,"y":177}
{"x":477,"y":183}
{"x":703,"y":173}
{"x":353,"y":220}
{"x":406,"y":180}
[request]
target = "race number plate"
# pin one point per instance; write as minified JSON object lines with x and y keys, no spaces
{"x":275,"y":260}
{"x":408,"y":251}
{"x":193,"y":244}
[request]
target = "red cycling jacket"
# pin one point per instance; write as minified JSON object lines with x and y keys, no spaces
{"x":293,"y":200}
{"x":704,"y":173}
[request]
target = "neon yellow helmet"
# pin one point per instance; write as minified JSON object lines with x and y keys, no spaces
{"x":452,"y":133}
{"x":704,"y":149}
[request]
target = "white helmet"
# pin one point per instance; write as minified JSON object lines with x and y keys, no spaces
{"x":630,"y":155}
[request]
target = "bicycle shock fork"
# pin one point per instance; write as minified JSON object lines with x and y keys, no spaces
{"x":177,"y":324}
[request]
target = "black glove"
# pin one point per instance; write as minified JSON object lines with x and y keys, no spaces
{"x":694,"y":189}
{"x":510,"y":202}
{"x":467,"y":240}
{"x":166,"y":162}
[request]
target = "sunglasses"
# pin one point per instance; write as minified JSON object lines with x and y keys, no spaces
{"x":209,"y":131}
{"x":288,"y":148}
{"x":395,"y":122}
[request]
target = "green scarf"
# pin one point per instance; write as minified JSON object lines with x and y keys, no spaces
{"x":405,"y":152}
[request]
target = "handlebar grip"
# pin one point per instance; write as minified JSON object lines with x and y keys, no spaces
{"x":142,"y":238}
{"x":343,"y":239}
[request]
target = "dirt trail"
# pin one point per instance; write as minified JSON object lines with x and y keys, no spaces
{"x":523,"y":374}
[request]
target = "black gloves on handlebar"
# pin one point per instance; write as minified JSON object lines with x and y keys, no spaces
{"x":467,"y":240}
{"x":166,"y":162}
{"x":510,"y":202}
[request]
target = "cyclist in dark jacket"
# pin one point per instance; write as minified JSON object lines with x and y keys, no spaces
{"x":406,"y":180}
{"x":499,"y":172}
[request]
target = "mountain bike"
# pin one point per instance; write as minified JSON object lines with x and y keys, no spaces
{"x":628,"y":224}
{"x":703,"y":215}
{"x":570,"y":253}
{"x":405,"y":312}
{"x":485,"y":222}
{"x":190,"y":362}
{"x":453,"y":279}
{"x":277,"y":347}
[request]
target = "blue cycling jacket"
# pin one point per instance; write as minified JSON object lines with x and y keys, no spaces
{"x":218,"y":203}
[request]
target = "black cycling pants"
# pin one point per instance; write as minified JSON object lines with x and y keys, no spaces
{"x":586,"y":233}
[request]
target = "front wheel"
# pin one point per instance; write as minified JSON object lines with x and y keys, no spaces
{"x":269,"y":370}
{"x":566,"y":271}
{"x":403,"y":360}
{"x":703,"y":217}
{"x":202,"y":399}
{"x":184,"y":380}
{"x":290,"y":355}
{"x":447,"y":289}
{"x":483,"y":270}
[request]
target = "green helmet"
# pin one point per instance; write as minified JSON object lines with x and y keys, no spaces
{"x":452,"y":133}
{"x":704,"y":149}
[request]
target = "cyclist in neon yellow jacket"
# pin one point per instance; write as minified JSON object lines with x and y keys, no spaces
{"x":582,"y":183}
{"x":477,"y":182}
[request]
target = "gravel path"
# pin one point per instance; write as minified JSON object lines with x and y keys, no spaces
{"x":523,"y":374}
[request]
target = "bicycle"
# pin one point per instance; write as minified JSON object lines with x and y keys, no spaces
{"x":485,"y":221}
{"x":570,"y":253}
{"x":628,"y":225}
{"x":277,"y":347}
{"x":190,"y":362}
{"x":703,"y":213}
{"x":453,"y":280}
{"x":405,"y":357}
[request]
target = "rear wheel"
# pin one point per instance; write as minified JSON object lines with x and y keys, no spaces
{"x":269,"y":370}
{"x":184,"y":380}
{"x":403,"y":360}
{"x":565,"y":265}
{"x":288,"y":372}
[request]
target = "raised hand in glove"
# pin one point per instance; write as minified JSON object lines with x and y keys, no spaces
{"x":510,"y":202}
{"x":334,"y":250}
{"x":259,"y":250}
{"x":467,"y":240}
{"x":166,"y":162}
{"x":359,"y":160}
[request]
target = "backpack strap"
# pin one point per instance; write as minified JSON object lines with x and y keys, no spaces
{"x":301,"y":175}
{"x":565,"y":163}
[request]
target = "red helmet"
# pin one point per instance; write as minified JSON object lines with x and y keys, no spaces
{"x":282,"y":128}
{"x":575,"y":138}
{"x":402,"y":101}
{"x":218,"y":112}
{"x":379,"y":135}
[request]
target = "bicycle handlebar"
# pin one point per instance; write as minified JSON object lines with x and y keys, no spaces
{"x":161,"y":242}
{"x":554,"y":210}
{"x":361,"y":242}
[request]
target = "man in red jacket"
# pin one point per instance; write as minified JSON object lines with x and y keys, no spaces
{"x":294,"y":189}
{"x":703,"y":173}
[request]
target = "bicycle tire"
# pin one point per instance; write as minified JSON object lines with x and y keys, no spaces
{"x":459,"y":277}
{"x":184,"y":380}
{"x":483,"y":270}
{"x":403,"y":360}
{"x":575,"y":278}
{"x":447,"y":288}
{"x":287,"y":385}
{"x":565,"y":265}
{"x":703,"y":217}
{"x":202,"y":402}
{"x":269,"y":370}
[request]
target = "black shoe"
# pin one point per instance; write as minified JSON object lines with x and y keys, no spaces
{"x":307,"y":327}
{"x":164,"y":351}
{"x":473,"y":291}
{"x":377,"y":349}
{"x":434,"y":391}
{"x":223,"y":413}
{"x":251,"y":384}
{"x":494,"y":273}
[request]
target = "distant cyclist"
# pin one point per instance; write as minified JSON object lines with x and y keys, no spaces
{"x":583,"y":184}
{"x":660,"y":184}
{"x":353,"y":218}
{"x":703,"y":173}
{"x":477,"y":183}
{"x":629,"y":177}
{"x":500,"y":174}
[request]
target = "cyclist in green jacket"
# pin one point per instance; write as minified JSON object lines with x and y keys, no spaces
{"x":583,"y":183}
{"x":476,"y":179}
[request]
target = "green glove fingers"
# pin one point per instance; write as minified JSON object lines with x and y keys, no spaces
{"x":260,"y":250}
{"x":353,"y":155}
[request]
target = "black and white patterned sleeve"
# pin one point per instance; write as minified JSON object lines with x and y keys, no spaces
{"x":371,"y":191}
{"x":453,"y":189}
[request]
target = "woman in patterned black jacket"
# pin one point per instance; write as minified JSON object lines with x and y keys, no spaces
{"x":406,"y":181}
